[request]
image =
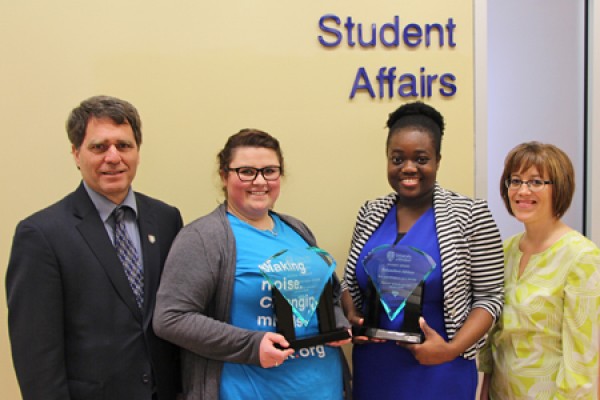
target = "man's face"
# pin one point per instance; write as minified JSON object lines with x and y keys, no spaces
{"x":108,"y":158}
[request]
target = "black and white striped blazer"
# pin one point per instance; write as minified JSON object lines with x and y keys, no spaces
{"x":470,"y":249}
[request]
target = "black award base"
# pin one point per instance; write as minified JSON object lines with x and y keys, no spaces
{"x":325,"y":313}
{"x":410,"y":332}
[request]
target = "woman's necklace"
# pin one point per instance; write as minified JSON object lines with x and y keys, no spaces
{"x":272,"y":230}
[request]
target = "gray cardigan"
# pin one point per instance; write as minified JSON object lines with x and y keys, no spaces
{"x":194,"y":300}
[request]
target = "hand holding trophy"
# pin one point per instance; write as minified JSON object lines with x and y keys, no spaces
{"x":300,"y":281}
{"x":396,"y":282}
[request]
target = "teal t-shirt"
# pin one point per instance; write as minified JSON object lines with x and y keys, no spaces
{"x":310,"y":373}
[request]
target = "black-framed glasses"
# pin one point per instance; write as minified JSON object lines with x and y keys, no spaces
{"x":535,"y":185}
{"x":249,"y":174}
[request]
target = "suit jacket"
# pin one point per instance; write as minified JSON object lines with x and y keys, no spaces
{"x":75,"y":329}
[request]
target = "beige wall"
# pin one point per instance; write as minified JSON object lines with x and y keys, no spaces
{"x":200,"y":71}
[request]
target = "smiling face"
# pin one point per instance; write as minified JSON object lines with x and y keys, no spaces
{"x":527,"y":206}
{"x":108,"y":158}
{"x":412,"y":165}
{"x":251,"y":200}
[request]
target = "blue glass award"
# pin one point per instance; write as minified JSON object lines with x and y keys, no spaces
{"x":396,"y":282}
{"x":301,"y":288}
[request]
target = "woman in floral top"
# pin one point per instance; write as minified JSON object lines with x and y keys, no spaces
{"x":545,"y":345}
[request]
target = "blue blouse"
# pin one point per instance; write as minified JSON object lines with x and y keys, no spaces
{"x":388,"y":371}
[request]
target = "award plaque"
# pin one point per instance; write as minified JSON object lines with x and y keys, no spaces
{"x":301,"y":289}
{"x":396,"y":282}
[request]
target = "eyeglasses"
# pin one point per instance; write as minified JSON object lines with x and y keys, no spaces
{"x":535,"y":185}
{"x":249,"y":174}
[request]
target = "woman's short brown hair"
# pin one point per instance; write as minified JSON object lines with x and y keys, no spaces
{"x":550,"y":161}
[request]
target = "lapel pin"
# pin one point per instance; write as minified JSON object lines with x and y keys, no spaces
{"x":152,"y":239}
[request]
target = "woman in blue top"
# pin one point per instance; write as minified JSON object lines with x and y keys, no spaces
{"x":463,"y":294}
{"x":215,"y":304}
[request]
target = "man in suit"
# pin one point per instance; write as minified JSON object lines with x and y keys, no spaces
{"x":81,"y":282}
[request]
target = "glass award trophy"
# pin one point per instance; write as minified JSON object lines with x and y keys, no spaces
{"x":396,"y":282}
{"x":301,"y":289}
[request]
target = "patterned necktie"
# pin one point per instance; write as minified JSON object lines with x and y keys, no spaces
{"x":128,"y":256}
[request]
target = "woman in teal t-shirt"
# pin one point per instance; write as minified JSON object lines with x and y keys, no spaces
{"x":214,"y":302}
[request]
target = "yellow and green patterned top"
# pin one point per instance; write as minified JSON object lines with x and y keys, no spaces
{"x":545,"y":345}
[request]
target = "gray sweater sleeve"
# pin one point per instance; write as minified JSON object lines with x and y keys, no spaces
{"x":193,"y":300}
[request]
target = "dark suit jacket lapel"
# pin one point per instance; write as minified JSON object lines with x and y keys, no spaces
{"x":151,"y":254}
{"x":93,"y":231}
